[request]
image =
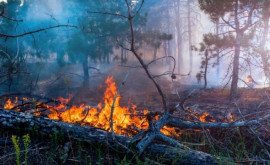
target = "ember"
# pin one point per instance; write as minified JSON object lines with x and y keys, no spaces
{"x":206,"y":117}
{"x":9,"y":104}
{"x":250,"y":82}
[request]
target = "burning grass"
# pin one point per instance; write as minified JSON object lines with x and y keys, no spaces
{"x":235,"y":145}
{"x":127,"y":119}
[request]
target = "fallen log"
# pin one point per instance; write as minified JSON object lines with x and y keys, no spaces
{"x":11,"y":120}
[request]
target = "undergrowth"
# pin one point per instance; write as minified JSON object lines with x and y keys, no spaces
{"x":231,"y":146}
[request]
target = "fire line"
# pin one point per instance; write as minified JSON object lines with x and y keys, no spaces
{"x":125,"y":118}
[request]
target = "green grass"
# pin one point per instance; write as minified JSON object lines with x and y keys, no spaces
{"x":16,"y":144}
{"x":230,"y":146}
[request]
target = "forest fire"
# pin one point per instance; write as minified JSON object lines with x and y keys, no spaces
{"x":124,"y":118}
{"x":100,"y":116}
{"x":206,"y":117}
{"x":9,"y":104}
{"x":196,"y":88}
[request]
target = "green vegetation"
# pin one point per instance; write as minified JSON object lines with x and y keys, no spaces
{"x":26,"y":143}
{"x":16,"y":144}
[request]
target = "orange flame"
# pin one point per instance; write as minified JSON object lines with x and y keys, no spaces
{"x":100,"y":116}
{"x":9,"y":104}
{"x":250,"y":82}
{"x":126,"y":119}
{"x":230,"y":117}
{"x":206,"y":118}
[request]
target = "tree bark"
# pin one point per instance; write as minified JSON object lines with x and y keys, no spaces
{"x":10,"y":120}
{"x":85,"y":72}
{"x":122,"y":56}
{"x":155,"y":54}
{"x":189,"y":38}
{"x":239,"y":34}
{"x":179,"y":36}
{"x":206,"y":69}
{"x":218,"y":54}
{"x":237,"y":48}
{"x":235,"y":73}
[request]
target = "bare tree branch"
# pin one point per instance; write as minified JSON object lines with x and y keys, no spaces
{"x":138,"y":9}
{"x":5,"y":17}
{"x":175,"y":122}
{"x":108,"y":13}
{"x":112,"y":108}
{"x":35,"y":31}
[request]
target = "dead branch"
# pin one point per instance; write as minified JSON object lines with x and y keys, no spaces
{"x":107,"y":13}
{"x":175,"y":122}
{"x":153,"y":132}
{"x":5,"y":17}
{"x":253,"y":132}
{"x":10,"y":120}
{"x":146,"y":137}
{"x":112,"y":108}
{"x":35,"y":31}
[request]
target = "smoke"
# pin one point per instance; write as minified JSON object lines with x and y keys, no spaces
{"x":52,"y":49}
{"x":22,"y":2}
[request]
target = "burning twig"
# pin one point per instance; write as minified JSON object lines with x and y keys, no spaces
{"x":88,"y":109}
{"x":175,"y":122}
{"x":153,"y":131}
{"x":112,"y":108}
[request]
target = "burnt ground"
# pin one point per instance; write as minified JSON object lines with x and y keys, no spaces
{"x":217,"y":102}
{"x":235,"y":145}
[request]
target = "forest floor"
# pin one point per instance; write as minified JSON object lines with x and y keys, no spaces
{"x":237,"y":145}
{"x":234,"y":145}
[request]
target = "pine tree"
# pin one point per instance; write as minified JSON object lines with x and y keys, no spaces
{"x":238,"y":16}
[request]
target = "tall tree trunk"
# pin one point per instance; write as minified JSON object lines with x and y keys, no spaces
{"x":218,"y":55}
{"x":85,"y":71}
{"x":235,"y":74}
{"x":169,"y":51}
{"x":108,"y":58}
{"x":206,"y":68}
{"x":155,"y":54}
{"x":239,"y":34}
{"x":236,"y":59}
{"x":122,"y":55}
{"x":126,"y":55}
{"x":189,"y":38}
{"x":169,"y":41}
{"x":179,"y":36}
{"x":165,"y":48}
